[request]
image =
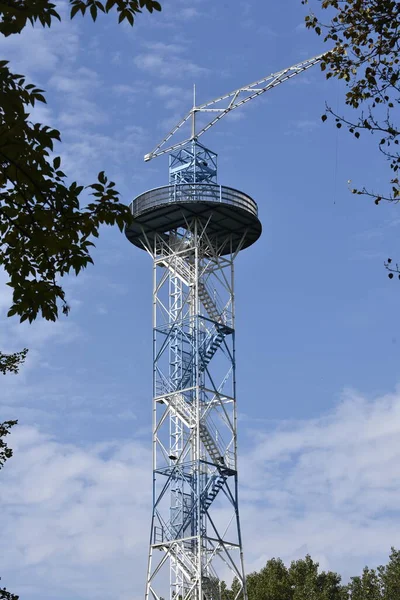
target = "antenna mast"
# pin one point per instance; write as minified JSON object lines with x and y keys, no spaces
{"x":194,"y":113}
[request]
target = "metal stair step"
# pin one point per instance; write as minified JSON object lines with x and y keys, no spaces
{"x":211,"y":349}
{"x":209,"y":304}
{"x":213,"y":492}
{"x":209,"y":443}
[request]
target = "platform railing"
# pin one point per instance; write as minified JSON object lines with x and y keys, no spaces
{"x":194,"y":192}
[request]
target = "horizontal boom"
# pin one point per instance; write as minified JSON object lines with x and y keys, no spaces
{"x":222,"y":105}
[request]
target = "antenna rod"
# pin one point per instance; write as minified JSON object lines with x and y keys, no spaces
{"x":194,"y":113}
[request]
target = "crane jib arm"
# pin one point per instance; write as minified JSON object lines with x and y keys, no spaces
{"x":222,"y":105}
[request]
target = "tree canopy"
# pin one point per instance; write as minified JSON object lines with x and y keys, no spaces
{"x":46,"y":230}
{"x":5,"y":451}
{"x":364,"y":51}
{"x":5,"y":595}
{"x":5,"y":454}
{"x":16,"y":14}
{"x":303,"y":580}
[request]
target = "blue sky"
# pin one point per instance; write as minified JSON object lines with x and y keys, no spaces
{"x":317,"y":334}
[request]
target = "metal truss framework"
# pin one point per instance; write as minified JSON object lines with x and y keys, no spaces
{"x":195,"y":529}
{"x":222,"y":105}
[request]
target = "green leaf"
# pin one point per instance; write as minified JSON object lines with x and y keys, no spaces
{"x":93,"y":12}
{"x":41,"y":98}
{"x":76,"y":8}
{"x":97,"y":187}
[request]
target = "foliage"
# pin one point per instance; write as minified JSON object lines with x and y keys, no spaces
{"x":380,"y":584}
{"x":45,"y":232}
{"x":308,"y":584}
{"x":303,"y":581}
{"x":10,"y":363}
{"x":366,"y":586}
{"x":366,"y":54}
{"x":15,"y":14}
{"x":5,"y":451}
{"x":271,"y":583}
{"x":389,"y":576}
{"x":4,"y":595}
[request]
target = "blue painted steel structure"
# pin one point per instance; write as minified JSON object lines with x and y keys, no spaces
{"x":193,"y":163}
{"x":194,"y":228}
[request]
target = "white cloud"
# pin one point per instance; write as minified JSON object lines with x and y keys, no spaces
{"x":165,"y":91}
{"x":188,"y":12}
{"x":78,"y":83}
{"x":167,"y":61}
{"x":41,"y":332}
{"x":80,"y":111}
{"x":327,"y":486}
{"x":37,"y":51}
{"x":174,"y":96}
{"x":79,"y":88}
{"x":167,"y":49}
{"x":185,"y":10}
{"x":301,"y":80}
{"x":306,"y":124}
{"x":300,"y":27}
{"x":259,"y":29}
{"x":129,"y":91}
{"x":123,"y":89}
{"x":84,"y":153}
{"x":301,"y":126}
{"x":330,"y":485}
{"x":71,"y":511}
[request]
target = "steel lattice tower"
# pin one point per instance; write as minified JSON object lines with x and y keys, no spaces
{"x":193,"y":229}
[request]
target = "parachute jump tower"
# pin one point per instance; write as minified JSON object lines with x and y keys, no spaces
{"x":193,"y":228}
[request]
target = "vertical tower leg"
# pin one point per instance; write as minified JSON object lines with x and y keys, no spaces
{"x":195,"y":531}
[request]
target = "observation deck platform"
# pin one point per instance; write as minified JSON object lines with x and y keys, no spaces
{"x":230,"y":215}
